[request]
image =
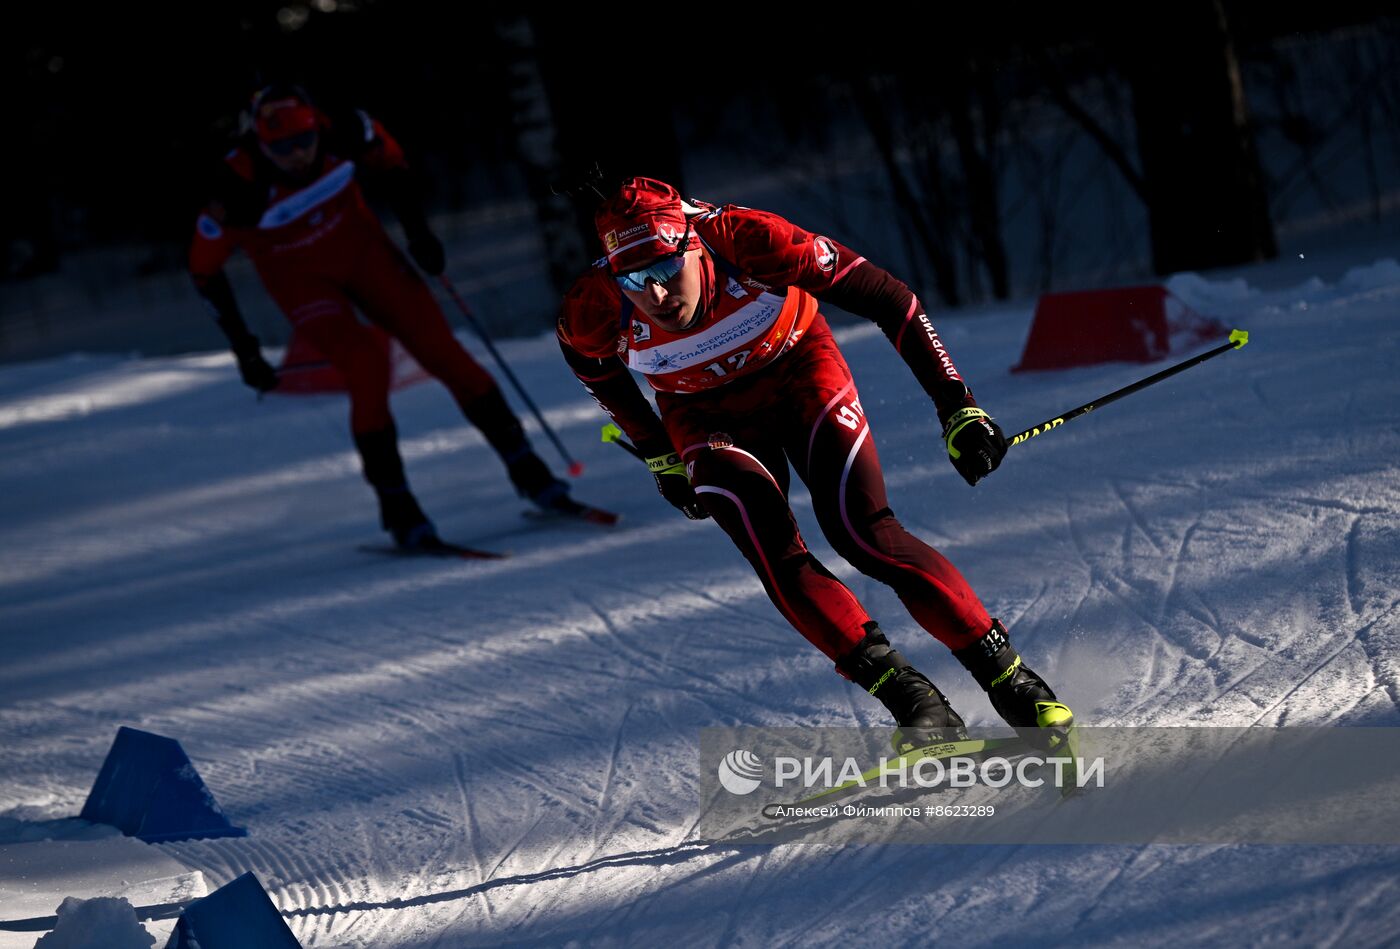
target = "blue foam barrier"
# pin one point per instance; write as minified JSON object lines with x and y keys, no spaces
{"x":238,"y":915}
{"x":148,"y":789}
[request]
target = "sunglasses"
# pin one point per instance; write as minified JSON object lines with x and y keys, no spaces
{"x":283,"y":147}
{"x":663,"y":270}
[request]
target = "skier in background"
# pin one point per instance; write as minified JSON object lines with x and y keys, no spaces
{"x":718,"y":308}
{"x":289,"y":195}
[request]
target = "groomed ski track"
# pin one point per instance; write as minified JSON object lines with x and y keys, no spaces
{"x":440,"y":753}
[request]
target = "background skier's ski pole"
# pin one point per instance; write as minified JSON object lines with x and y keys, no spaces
{"x":575,"y":466}
{"x":1237,"y":339}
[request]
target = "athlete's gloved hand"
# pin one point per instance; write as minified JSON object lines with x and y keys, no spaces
{"x":257,"y":373}
{"x":674,"y":485}
{"x":975,"y":443}
{"x":426,"y":251}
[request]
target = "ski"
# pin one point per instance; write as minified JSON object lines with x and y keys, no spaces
{"x":567,"y":508}
{"x":441,"y":548}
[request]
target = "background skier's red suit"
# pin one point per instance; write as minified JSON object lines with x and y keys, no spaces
{"x":321,"y":252}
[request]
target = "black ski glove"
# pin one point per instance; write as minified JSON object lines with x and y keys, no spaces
{"x":426,"y":251}
{"x":674,"y":485}
{"x":975,"y":443}
{"x":257,"y":373}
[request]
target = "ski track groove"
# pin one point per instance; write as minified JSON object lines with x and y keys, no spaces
{"x":572,"y":668}
{"x":1256,"y":385}
{"x":1355,"y":911}
{"x":1270,"y":500}
{"x":692,"y":675}
{"x":473,"y":828}
{"x":550,"y":792}
{"x":1019,"y":618}
{"x":649,"y":667}
{"x":1081,"y":552}
{"x":1375,"y":657}
{"x":1091,"y":904}
{"x":729,"y":936}
{"x":747,"y":617}
{"x":719,"y":867}
{"x":374,"y":869}
{"x":1174,"y":569}
{"x":859,"y":895}
{"x":605,"y":794}
{"x":653,"y":661}
{"x":514,"y":846}
{"x":995,"y":861}
{"x":1133,"y":513}
{"x":1316,"y":669}
{"x":1353,"y":567}
{"x":611,"y":632}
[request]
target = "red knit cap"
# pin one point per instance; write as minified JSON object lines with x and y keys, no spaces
{"x":644,"y":220}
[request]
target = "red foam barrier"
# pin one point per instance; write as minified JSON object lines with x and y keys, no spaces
{"x":305,"y":371}
{"x":1124,"y":324}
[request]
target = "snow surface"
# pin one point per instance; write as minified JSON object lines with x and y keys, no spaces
{"x":450,"y":753}
{"x":52,"y":860}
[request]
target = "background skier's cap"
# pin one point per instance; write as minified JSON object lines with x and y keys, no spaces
{"x":281,"y":114}
{"x":644,"y":220}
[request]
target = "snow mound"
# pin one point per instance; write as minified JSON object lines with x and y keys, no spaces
{"x":1382,"y":273}
{"x":1201,"y":294}
{"x":101,"y":923}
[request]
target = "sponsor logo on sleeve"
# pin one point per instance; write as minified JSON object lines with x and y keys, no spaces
{"x":826,"y":254}
{"x":944,"y":360}
{"x":610,"y":241}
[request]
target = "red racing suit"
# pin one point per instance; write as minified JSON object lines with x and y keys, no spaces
{"x":321,"y":252}
{"x":758,"y":384}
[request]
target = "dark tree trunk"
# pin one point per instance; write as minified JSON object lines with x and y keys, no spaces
{"x":538,"y":151}
{"x":617,"y":116}
{"x":970,"y":99}
{"x":1201,"y":177}
{"x":932,"y":237}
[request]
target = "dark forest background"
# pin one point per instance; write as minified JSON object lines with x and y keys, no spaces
{"x":116,"y":115}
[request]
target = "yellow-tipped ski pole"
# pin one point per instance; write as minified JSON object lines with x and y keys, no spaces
{"x":1237,"y":340}
{"x":611,"y":433}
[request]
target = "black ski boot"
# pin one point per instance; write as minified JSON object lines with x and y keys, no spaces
{"x":399,"y":513}
{"x":534,"y":481}
{"x":527,"y":471}
{"x":921,"y":711}
{"x":401,"y":516}
{"x":1019,"y":695}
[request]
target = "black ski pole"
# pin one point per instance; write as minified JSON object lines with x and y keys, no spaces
{"x":575,"y":466}
{"x":1237,"y":340}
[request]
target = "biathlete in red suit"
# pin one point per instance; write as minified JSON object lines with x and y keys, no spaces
{"x":289,"y":196}
{"x":719,"y":308}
